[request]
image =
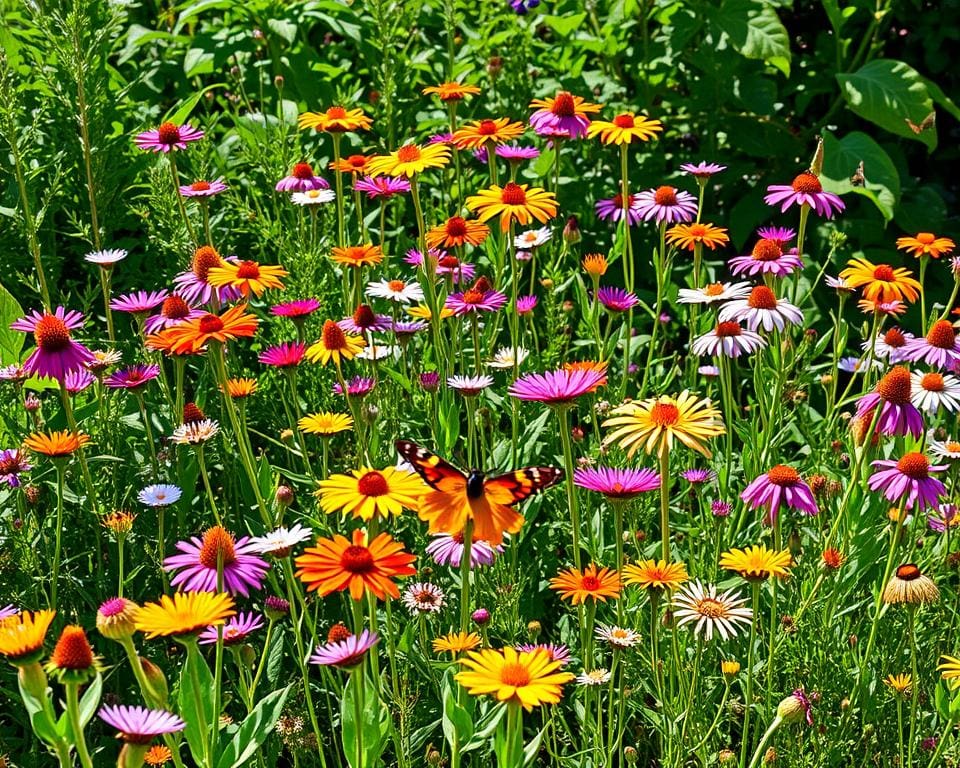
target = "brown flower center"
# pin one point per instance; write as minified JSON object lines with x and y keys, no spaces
{"x":200,"y":186}
{"x":514,"y":674}
{"x":623,"y":121}
{"x":449,"y":262}
{"x":168,"y":133}
{"x":513,"y":194}
{"x":248,"y":270}
{"x":205,"y":258}
{"x":364,"y":316}
{"x":908,"y":572}
{"x":761,"y":297}
{"x":302,"y":171}
{"x":941,"y":335}
{"x":357,"y":560}
{"x":712,"y":609}
{"x":408,"y":153}
{"x":807,"y":183}
{"x":728,"y":328}
{"x":174,"y":308}
{"x":333,"y":336}
{"x":564,"y":105}
{"x":664,"y":414}
{"x":884,"y":273}
{"x":782,"y":475}
{"x":192,"y":414}
{"x":217,"y":547}
{"x":210,"y":324}
{"x":916,"y":466}
{"x":894,"y":338}
{"x":894,"y":387}
{"x":51,"y":334}
{"x":767,"y":250}
{"x":665,"y":196}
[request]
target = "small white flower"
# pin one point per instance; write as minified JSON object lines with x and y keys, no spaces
{"x":469,"y":385}
{"x":313,"y":197}
{"x":890,"y":345}
{"x":764,"y":311}
{"x":162,"y":495}
{"x":106,"y":258}
{"x":931,"y":391}
{"x":618,"y":637}
{"x":713,"y":293}
{"x":196,"y":432}
{"x":378,"y":352}
{"x":395,"y":290}
{"x":598,"y":676}
{"x":281,"y":541}
{"x":947,"y":449}
{"x":727,"y":339}
{"x":505,"y":356}
{"x":423,"y":597}
{"x":532,"y":238}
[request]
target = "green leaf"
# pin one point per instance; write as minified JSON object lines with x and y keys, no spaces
{"x":180,"y":115}
{"x":755,"y":31}
{"x":90,"y":701}
{"x":283,"y":28}
{"x":921,"y":209}
{"x":40,"y":721}
{"x":564,"y":25}
{"x":842,"y":157}
{"x":889,"y":93}
{"x":457,"y":721}
{"x":937,"y":94}
{"x":375,"y":724}
{"x":196,"y":704}
{"x":11,"y":342}
{"x":254,"y":730}
{"x":198,"y":61}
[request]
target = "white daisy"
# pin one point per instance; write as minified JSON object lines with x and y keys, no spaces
{"x":195,"y":432}
{"x":469,"y":385}
{"x":313,"y":197}
{"x":395,"y":290}
{"x":423,"y":597}
{"x":279,"y":542}
{"x":838,"y":284}
{"x":931,"y":391}
{"x":713,"y":293}
{"x":618,"y":637}
{"x":762,"y":309}
{"x":106,"y":258}
{"x":711,"y":612}
{"x":727,"y":339}
{"x":378,"y":352}
{"x":161,"y":495}
{"x":505,"y":356}
{"x":598,"y":676}
{"x":946,"y":449}
{"x":532,"y":238}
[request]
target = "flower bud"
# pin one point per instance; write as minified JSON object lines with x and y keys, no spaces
{"x":533,"y":629}
{"x":284,"y":495}
{"x":571,"y":234}
{"x":275,"y":608}
{"x":115,"y":618}
{"x":630,"y":755}
{"x":480,"y":617}
{"x":156,"y":681}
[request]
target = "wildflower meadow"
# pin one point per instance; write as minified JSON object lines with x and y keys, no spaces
{"x":511,"y":383}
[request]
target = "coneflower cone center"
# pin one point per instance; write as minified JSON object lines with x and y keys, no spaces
{"x":514,"y":674}
{"x":895,"y":386}
{"x":564,"y":105}
{"x":472,"y":296}
{"x":728,"y":328}
{"x":302,"y":171}
{"x":408,"y":153}
{"x":665,"y":196}
{"x":761,"y":297}
{"x":168,"y":133}
{"x":338,"y":633}
{"x":908,"y":572}
{"x":941,"y":335}
{"x":894,"y":338}
{"x":396,"y":285}
{"x":714,"y":289}
{"x":174,"y":308}
{"x":51,"y":334}
{"x":782,"y":475}
{"x":664,"y":414}
{"x":217,"y":547}
{"x":884,"y":273}
{"x":200,"y":186}
{"x":807,"y":183}
{"x":192,"y":414}
{"x":916,"y":466}
{"x":513,"y":194}
{"x":373,"y":484}
{"x":210,"y":324}
{"x":333,"y":336}
{"x":357,"y":560}
{"x":248,"y":270}
{"x":337,"y":113}
{"x":590,"y":583}
{"x":204,"y":259}
{"x":487,"y":128}
{"x":364,"y":316}
{"x":623,"y":121}
{"x":456,"y":227}
{"x":72,"y":651}
{"x":766,"y":250}
{"x":932,"y":382}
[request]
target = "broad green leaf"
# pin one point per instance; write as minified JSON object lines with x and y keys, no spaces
{"x":283,"y":28}
{"x":842,"y":157}
{"x":937,"y":94}
{"x":755,"y":31}
{"x":196,"y":701}
{"x":889,"y":93}
{"x":374,"y":726}
{"x":254,"y":730}
{"x":40,"y":720}
{"x":564,"y":25}
{"x":457,"y":721}
{"x":198,"y":61}
{"x":11,"y":342}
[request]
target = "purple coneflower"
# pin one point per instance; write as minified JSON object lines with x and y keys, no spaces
{"x":201,"y":188}
{"x":612,"y":208}
{"x":345,"y":654}
{"x":889,"y":346}
{"x":943,"y":517}
{"x":358,"y":386}
{"x":616,"y":484}
{"x":138,"y":302}
{"x":469,"y":386}
{"x":557,"y":388}
{"x":295,"y":309}
{"x":56,"y":354}
{"x":173,"y":311}
{"x":556,"y":651}
{"x":286,"y":355}
{"x":168,"y":137}
{"x":198,"y":564}
{"x":616,"y":299}
{"x":804,"y":190}
{"x":473,"y":300}
{"x":440,"y":138}
{"x":703,"y":169}
{"x":767,"y":258}
{"x":898,"y":415}
{"x":192,"y":284}
{"x":515,"y":153}
{"x":139,"y":725}
{"x":381,"y":186}
{"x":697,"y":476}
{"x":910,"y":479}
{"x":727,"y":339}
{"x":77,"y":381}
{"x":364,"y":321}
{"x":448,"y":550}
{"x":430,"y":381}
{"x":939,"y":348}
{"x":780,"y":485}
{"x":301,"y":179}
{"x":666,"y":205}
{"x":460,"y":271}
{"x":526,"y":304}
{"x":405,"y":329}
{"x":133,"y":378}
{"x":780,"y":235}
{"x":237,"y":629}
{"x":762,"y":309}
{"x":13,"y":462}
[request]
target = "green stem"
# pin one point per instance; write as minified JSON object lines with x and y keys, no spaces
{"x":73,"y":715}
{"x":665,"y":503}
{"x":748,"y":696}
{"x":171,"y":156}
{"x":566,"y":441}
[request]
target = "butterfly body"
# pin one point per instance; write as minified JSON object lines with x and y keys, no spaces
{"x":475,"y":484}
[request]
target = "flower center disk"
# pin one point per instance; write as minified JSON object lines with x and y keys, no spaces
{"x":51,"y":334}
{"x":357,"y":560}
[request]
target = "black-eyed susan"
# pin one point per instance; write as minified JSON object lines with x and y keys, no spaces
{"x":456,"y":642}
{"x":950,"y":671}
{"x":655,"y":574}
{"x":184,"y":613}
{"x":336,"y":119}
{"x":247,"y":276}
{"x":409,"y":160}
{"x":451,"y":91}
{"x":365,"y":255}
{"x":483,"y":133}
{"x":335,"y":345}
{"x":23,"y":634}
{"x":457,"y":231}
{"x":911,"y":587}
{"x":625,"y":128}
{"x":881,"y":282}
{"x":757,"y":563}
{"x":592,"y":582}
{"x":526,"y":678}
{"x":325,"y":423}
{"x":656,"y":422}
{"x":57,"y":444}
{"x":513,"y":202}
{"x":367,"y":492}
{"x":689,"y":236}
{"x":901,"y":686}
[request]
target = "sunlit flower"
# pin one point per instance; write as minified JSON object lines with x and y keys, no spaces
{"x":381,"y":186}
{"x":56,"y":353}
{"x":105,"y":259}
{"x":881,"y":282}
{"x":485,"y":133}
{"x":689,"y":236}
{"x":161,"y":495}
{"x":625,"y":128}
{"x":909,"y":479}
{"x":890,"y":345}
{"x":139,"y":725}
{"x":456,"y":642}
{"x":195,"y":432}
{"x":655,"y":423}
{"x":217,"y":556}
{"x":184,"y":613}
{"x":727,"y":339}
{"x":617,"y":637}
{"x":336,"y":119}
{"x":713,"y":293}
{"x":926,"y":244}
{"x":932,"y":391}
{"x":13,"y":462}
{"x":22,"y":635}
{"x":365,"y":493}
{"x":451,"y":91}
{"x":528,"y":679}
{"x":173,"y":311}
{"x":168,"y":137}
{"x":805,"y":189}
{"x":55,"y":444}
{"x":366,"y":255}
{"x":347,"y":653}
{"x":612,"y":209}
{"x":666,"y":204}
{"x":195,"y":334}
{"x":703,"y":169}
{"x":908,"y":585}
{"x":762,"y":309}
{"x":893,"y":395}
{"x":422,"y":597}
{"x":592,"y":582}
{"x":939,"y":348}
{"x":399,"y":291}
{"x":757,"y":562}
{"x":409,"y":160}
{"x":469,"y":386}
{"x":709,"y":612}
{"x":768,"y":257}
{"x":780,"y":485}
{"x":563,"y":115}
{"x":447,"y":549}
{"x":280,"y":541}
{"x":513,"y":202}
{"x":655,"y":574}
{"x":616,"y":484}
{"x":616,"y":299}
{"x":594,"y":677}
{"x":334,"y":345}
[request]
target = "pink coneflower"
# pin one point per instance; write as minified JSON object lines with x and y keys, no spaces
{"x":781,"y":485}
{"x":13,"y":373}
{"x":780,"y":235}
{"x":295,"y":309}
{"x":889,"y":346}
{"x":197,"y":565}
{"x":168,"y":137}
{"x":470,"y":386}
{"x":13,"y":463}
{"x":460,"y":271}
{"x":767,"y":258}
{"x":616,"y":484}
{"x":365,"y":320}
{"x":908,"y":478}
{"x":556,"y":651}
{"x":702,"y":170}
{"x":56,"y":354}
{"x":720,"y":508}
{"x":933,"y":390}
{"x":939,"y":348}
{"x":696,"y":476}
{"x":474,"y":300}
{"x":804,"y":190}
{"x":358,"y":386}
{"x":201,"y":188}
{"x":943,"y":517}
{"x":422,"y":597}
{"x":237,"y":629}
{"x":347,"y":653}
{"x":762,"y":309}
{"x":173,"y":311}
{"x":727,"y":339}
{"x":666,"y":205}
{"x":564,"y":115}
{"x":612,"y":208}
{"x":133,"y":378}
{"x":301,"y":179}
{"x":382,"y":186}
{"x":557,"y":388}
{"x":898,"y":415}
{"x":616,"y":299}
{"x":526,"y":304}
{"x":286,"y":355}
{"x":138,"y":302}
{"x":448,"y":550}
{"x":77,"y":381}
{"x":515,"y":153}
{"x":139,"y":725}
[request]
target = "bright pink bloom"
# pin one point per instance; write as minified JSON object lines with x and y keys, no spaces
{"x":56,"y":354}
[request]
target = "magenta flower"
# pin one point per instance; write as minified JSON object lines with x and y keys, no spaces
{"x":942,"y":518}
{"x":696,"y":476}
{"x":196,"y":566}
{"x":364,"y":321}
{"x":440,"y":138}
{"x":138,"y":302}
{"x":237,"y":629}
{"x":448,"y":550}
{"x":77,"y":381}
{"x":612,"y":208}
{"x":430,"y":381}
{"x":168,"y":137}
{"x":139,"y":725}
{"x":56,"y":354}
{"x":780,"y":485}
{"x":767,"y":257}
{"x":557,"y":652}
{"x":174,"y":310}
{"x":898,"y":415}
{"x":666,"y":205}
{"x":780,"y":235}
{"x":805,"y":189}
{"x":910,"y":479}
{"x":358,"y":386}
{"x":192,"y":284}
{"x":472,"y":301}
{"x":515,"y":153}
{"x":617,"y":299}
{"x":526,"y":304}
{"x":557,"y":388}
{"x":702,"y":170}
{"x":345,"y":654}
{"x":381,"y":186}
{"x":7,"y":611}
{"x":133,"y":378}
{"x":301,"y":179}
{"x":460,"y":271}
{"x":558,"y":117}
{"x":286,"y":355}
{"x":939,"y":348}
{"x":295,"y":309}
{"x":13,"y":462}
{"x":203,"y":188}
{"x":616,"y":484}
{"x":720,"y":508}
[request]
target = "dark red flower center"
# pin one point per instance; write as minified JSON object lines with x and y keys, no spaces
{"x":449,"y":262}
{"x":623,"y":121}
{"x":664,"y":414}
{"x":807,"y":183}
{"x":333,"y":336}
{"x":783,"y":475}
{"x":373,"y":484}
{"x":51,"y":334}
{"x":728,"y":329}
{"x":357,"y":161}
{"x":766,"y":250}
{"x":302,"y":171}
{"x":895,"y":386}
{"x":192,"y":414}
{"x":908,"y":572}
{"x":174,"y":308}
{"x":217,"y":547}
{"x":884,"y":272}
{"x":932,"y":382}
{"x":210,"y":324}
{"x":357,"y":560}
{"x":364,"y":316}
{"x":408,"y":153}
{"x":941,"y":335}
{"x":761,"y":297}
{"x":205,"y":258}
{"x":590,"y":583}
{"x":916,"y":466}
{"x":456,"y":227}
{"x":338,"y":633}
{"x":564,"y":105}
{"x":248,"y":270}
{"x":200,"y":186}
{"x":513,"y":194}
{"x":487,"y":128}
{"x":665,"y":195}
{"x":168,"y":133}
{"x":894,"y":338}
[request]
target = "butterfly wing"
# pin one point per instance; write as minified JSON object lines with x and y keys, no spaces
{"x":513,"y":487}
{"x":437,"y":473}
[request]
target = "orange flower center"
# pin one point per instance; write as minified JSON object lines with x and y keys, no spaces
{"x":728,"y":329}
{"x":204,"y":259}
{"x":487,"y":128}
{"x":714,"y":289}
{"x":665,"y":196}
{"x":697,"y":231}
{"x":210,"y":324}
{"x":364,"y":316}
{"x":908,"y":572}
{"x":456,"y":227}
{"x":932,"y":382}
{"x":767,"y":250}
{"x":926,"y":238}
{"x":590,"y":583}
{"x":302,"y":171}
{"x":884,"y":272}
{"x":513,"y":194}
{"x":623,"y":121}
{"x":664,"y":414}
{"x":248,"y":270}
{"x":357,"y":560}
{"x":200,"y":186}
{"x":338,"y":633}
{"x":941,"y":335}
{"x":761,"y":297}
{"x":51,"y":334}
{"x":72,"y":651}
{"x":894,"y":338}
{"x":564,"y":105}
{"x":832,"y":558}
{"x":357,"y":161}
{"x":450,"y":262}
{"x":336,"y":113}
{"x":894,"y":387}
{"x":783,"y":475}
{"x":953,"y":446}
{"x":333,"y":336}
{"x":408,"y":153}
{"x":807,"y":183}
{"x":168,"y":133}
{"x":915,"y":466}
{"x":217,"y":547}
{"x":473,"y":296}
{"x":514,"y":674}
{"x":174,"y":308}
{"x":710,"y":608}
{"x":396,"y":285}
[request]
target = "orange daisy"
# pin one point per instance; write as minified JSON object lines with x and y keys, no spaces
{"x":350,"y":164}
{"x":56,"y":445}
{"x":689,"y":236}
{"x":336,"y":119}
{"x":238,"y":389}
{"x":926,"y":244}
{"x":513,"y":202}
{"x":577,"y":586}
{"x":881,"y":282}
{"x":456,"y":231}
{"x":451,"y":91}
{"x":595,"y":264}
{"x":336,"y":564}
{"x":481,"y":133}
{"x":410,"y":159}
{"x":195,"y":334}
{"x":247,"y":276}
{"x":358,"y":255}
{"x":625,"y":128}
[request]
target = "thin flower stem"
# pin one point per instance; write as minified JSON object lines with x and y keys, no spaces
{"x":748,"y":695}
{"x":573,"y":508}
{"x":693,"y":689}
{"x":664,"y":502}
{"x":149,"y":433}
{"x":201,"y":463}
{"x":180,"y":204}
{"x":338,"y":181}
{"x":915,"y":693}
{"x":261,"y":665}
{"x":768,"y":734}
{"x":73,"y":715}
{"x":61,"y":471}
{"x":105,"y":275}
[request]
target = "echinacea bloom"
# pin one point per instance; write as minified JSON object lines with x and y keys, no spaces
{"x":655,"y":423}
{"x":194,"y":335}
{"x":625,"y":128}
{"x":806,"y":190}
{"x":516,"y":154}
{"x":616,"y":299}
{"x":381,"y":186}
{"x":217,"y":554}
{"x":358,"y":386}
{"x":709,"y":612}
{"x":22,"y":635}
{"x":77,"y":381}
{"x":795,"y":708}
{"x":470,"y":386}
{"x":139,"y":725}
{"x":451,"y":91}
{"x":612,"y":208}
{"x":780,"y":485}
{"x":525,"y":304}
{"x":346,"y":653}
{"x":475,"y":300}
{"x":195,"y":432}
{"x":457,"y":231}
{"x":909,"y":586}
{"x":689,"y":236}
{"x":133,"y":378}
{"x":563,"y":115}
{"x":513,"y":202}
{"x":56,"y":354}
{"x":237,"y":629}
{"x":713,"y":293}
{"x":184,"y":613}
{"x":908,"y":479}
{"x":192,"y":285}
{"x":666,"y":205}
{"x":617,"y":485}
{"x":247,"y":277}
{"x":702,"y":170}
{"x":484,"y":133}
{"x":727,"y":339}
{"x":446,"y":549}
{"x":939,"y":348}
{"x":557,"y":388}
{"x":173,"y":311}
{"x":926,"y":244}
{"x":337,"y":563}
{"x":423,"y":597}
{"x":280,"y":541}
{"x":138,"y":302}
{"x":335,"y":345}
{"x":757,"y":562}
{"x":890,"y":345}
{"x":528,"y":679}
{"x":336,"y":119}
{"x":931,"y":391}
{"x":617,"y":637}
{"x":365,"y":255}
{"x":881,"y":282}
{"x":762,"y":309}
{"x":296,"y":309}
{"x":366,"y":493}
{"x":592,"y":582}
{"x":168,"y":137}
{"x":56,"y":445}
{"x":13,"y":462}
{"x":286,"y":355}
{"x":409,"y":160}
{"x":898,"y":415}
{"x":161,"y":495}
{"x":105,"y":259}
{"x":655,"y":574}
{"x":399,"y":291}
{"x":202,"y":188}
{"x":456,"y":642}
{"x":780,"y":235}
{"x":355,"y":164}
{"x":767,"y":258}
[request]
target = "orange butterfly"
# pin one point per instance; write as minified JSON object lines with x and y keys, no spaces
{"x":457,"y":498}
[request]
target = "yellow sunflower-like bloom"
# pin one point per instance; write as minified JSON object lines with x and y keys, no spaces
{"x":410,"y":159}
{"x":513,"y":202}
{"x":625,"y":128}
{"x":366,"y":492}
{"x":656,"y":422}
{"x":757,"y":562}
{"x":527,"y":678}
{"x":184,"y":613}
{"x":881,"y":282}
